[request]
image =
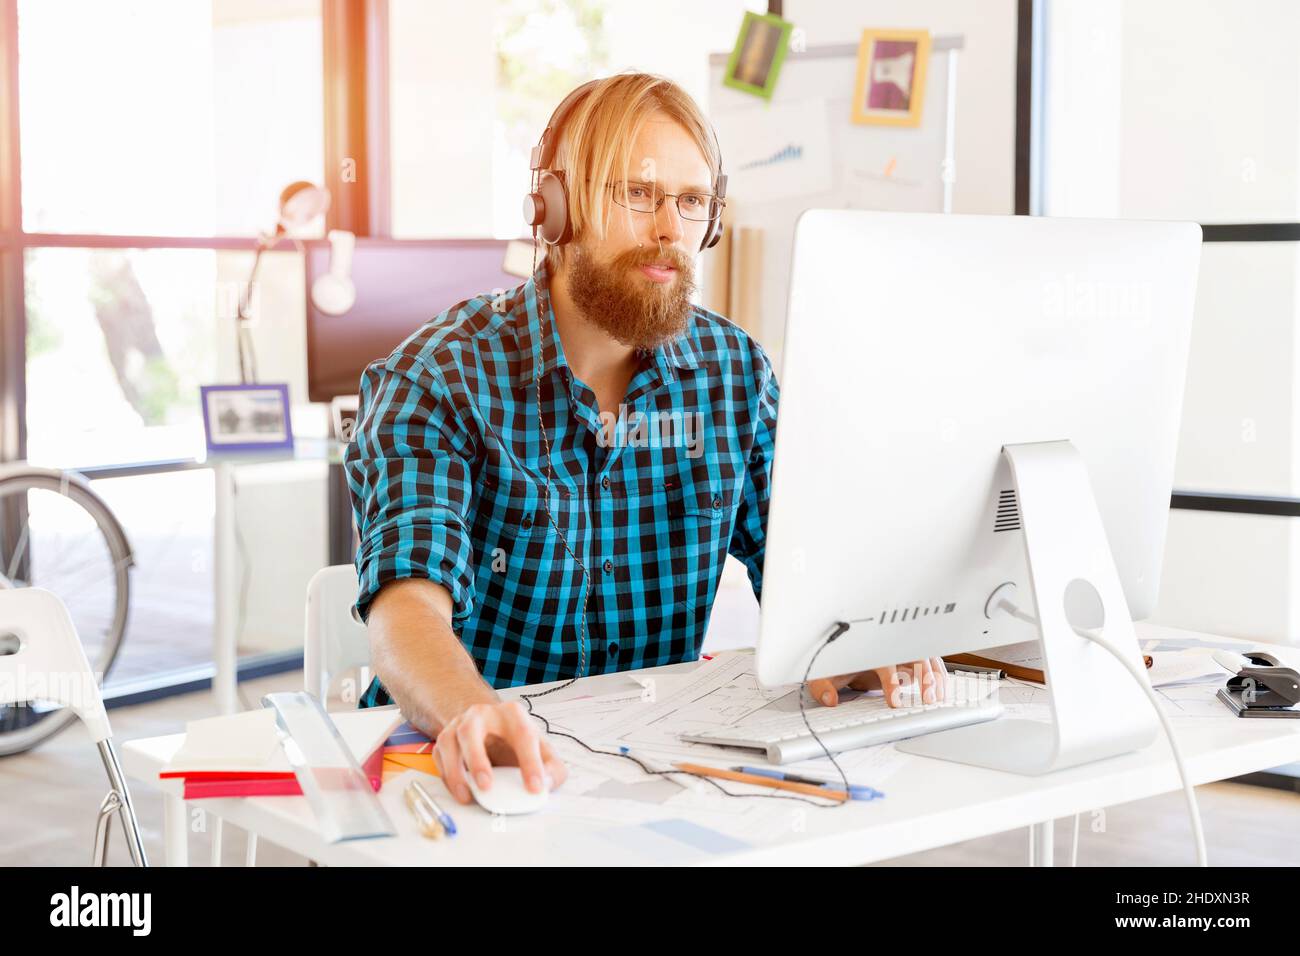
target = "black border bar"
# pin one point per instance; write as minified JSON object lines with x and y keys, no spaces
{"x":1250,"y":232}
{"x":1235,"y":504}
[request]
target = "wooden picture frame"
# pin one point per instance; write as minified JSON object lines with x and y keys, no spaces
{"x":890,"y":88}
{"x":756,"y":59}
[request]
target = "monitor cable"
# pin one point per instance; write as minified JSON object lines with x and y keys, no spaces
{"x":1095,"y":636}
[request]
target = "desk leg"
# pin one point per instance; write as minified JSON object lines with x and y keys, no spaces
{"x":1042,"y":843}
{"x":217,"y":830}
{"x":225,"y":587}
{"x":176,"y":834}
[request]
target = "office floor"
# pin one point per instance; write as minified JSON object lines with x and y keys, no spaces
{"x":48,"y":799}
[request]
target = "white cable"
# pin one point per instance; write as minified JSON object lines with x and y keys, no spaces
{"x":1193,"y":811}
{"x":1074,"y":847}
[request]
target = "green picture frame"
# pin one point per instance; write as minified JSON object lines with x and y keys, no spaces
{"x":755,"y":61}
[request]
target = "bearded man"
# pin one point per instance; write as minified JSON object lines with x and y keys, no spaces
{"x":507,"y":535}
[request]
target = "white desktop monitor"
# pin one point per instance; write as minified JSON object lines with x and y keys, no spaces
{"x":917,"y":347}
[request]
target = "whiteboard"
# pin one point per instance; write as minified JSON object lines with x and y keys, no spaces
{"x":862,"y":167}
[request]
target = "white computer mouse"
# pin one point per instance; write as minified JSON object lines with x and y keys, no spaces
{"x":507,"y":793}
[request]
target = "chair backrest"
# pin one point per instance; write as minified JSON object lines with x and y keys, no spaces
{"x":41,"y":658}
{"x":334,"y":641}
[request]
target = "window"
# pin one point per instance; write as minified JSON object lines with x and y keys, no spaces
{"x":166,"y":118}
{"x":155,"y":137}
{"x":1138,"y":126}
{"x":140,"y":330}
{"x":1166,"y":110}
{"x":460,"y":170}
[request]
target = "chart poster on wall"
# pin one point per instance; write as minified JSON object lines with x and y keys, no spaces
{"x":890,"y":88}
{"x":760,"y":50}
{"x":776,"y":151}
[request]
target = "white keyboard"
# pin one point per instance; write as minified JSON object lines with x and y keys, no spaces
{"x":863,"y":722}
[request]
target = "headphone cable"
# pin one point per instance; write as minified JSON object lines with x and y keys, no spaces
{"x":582,"y":645}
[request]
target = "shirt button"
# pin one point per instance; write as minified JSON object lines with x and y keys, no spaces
{"x":528,"y":522}
{"x":612,"y":650}
{"x":604,"y":482}
{"x":717,"y":501}
{"x":609,"y":566}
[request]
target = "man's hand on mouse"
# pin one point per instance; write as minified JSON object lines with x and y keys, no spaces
{"x":898,"y":681}
{"x":498,"y":733}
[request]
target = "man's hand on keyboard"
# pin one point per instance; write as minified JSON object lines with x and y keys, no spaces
{"x":900,"y":683}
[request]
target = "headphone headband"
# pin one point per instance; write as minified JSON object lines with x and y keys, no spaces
{"x":543,"y":154}
{"x":546,"y":207}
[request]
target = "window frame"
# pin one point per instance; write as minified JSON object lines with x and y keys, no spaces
{"x":354,"y":84}
{"x":354,"y":65}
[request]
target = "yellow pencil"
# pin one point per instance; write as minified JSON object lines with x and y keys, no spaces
{"x":804,"y":788}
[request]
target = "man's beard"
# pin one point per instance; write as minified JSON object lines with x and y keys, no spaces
{"x":636,"y":311}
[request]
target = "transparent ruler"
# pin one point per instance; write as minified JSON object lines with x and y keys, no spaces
{"x":335,"y":786}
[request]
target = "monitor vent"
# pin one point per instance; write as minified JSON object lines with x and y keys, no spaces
{"x":1008,"y":513}
{"x":899,"y":615}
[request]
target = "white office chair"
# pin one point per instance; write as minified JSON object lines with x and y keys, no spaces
{"x":42,"y":658}
{"x":334,"y":642}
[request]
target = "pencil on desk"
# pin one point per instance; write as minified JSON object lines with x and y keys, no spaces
{"x":424,"y":818}
{"x":442,"y":816}
{"x":1032,"y":674}
{"x":755,"y":779}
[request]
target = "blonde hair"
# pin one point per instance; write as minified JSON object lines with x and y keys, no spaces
{"x":595,"y":143}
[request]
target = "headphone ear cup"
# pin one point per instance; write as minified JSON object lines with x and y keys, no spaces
{"x":713,"y":235}
{"x":555,"y":227}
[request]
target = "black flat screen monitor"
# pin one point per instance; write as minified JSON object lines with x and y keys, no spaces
{"x":401,"y":285}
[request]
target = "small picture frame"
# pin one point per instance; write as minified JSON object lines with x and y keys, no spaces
{"x":246,"y":418}
{"x":760,"y":50}
{"x":890,"y":88}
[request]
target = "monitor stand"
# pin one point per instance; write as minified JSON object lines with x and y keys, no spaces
{"x":1097,"y":710}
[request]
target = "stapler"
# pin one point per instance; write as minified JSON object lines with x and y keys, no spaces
{"x":1261,"y":685}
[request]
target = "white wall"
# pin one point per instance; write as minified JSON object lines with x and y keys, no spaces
{"x":985,"y":154}
{"x":1190,"y":109}
{"x":986,"y":79}
{"x":442,"y":84}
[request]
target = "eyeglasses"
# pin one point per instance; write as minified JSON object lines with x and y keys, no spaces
{"x":647,"y":197}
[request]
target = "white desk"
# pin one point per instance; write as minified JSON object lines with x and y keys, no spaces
{"x":929,"y":803}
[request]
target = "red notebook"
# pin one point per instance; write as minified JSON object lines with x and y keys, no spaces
{"x":240,"y":755}
{"x":265,"y":784}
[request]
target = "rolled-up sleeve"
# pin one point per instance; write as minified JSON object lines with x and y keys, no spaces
{"x":749,"y":538}
{"x":409,"y":469}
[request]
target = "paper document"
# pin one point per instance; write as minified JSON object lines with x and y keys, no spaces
{"x":248,"y":742}
{"x":717,"y":695}
{"x":1195,"y":664}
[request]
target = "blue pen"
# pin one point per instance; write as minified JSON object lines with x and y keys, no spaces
{"x":856,"y":791}
{"x":443,"y":816}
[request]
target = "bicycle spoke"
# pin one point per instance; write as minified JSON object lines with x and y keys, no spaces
{"x":57,"y":580}
{"x":18,"y":551}
{"x":113,"y":569}
{"x":76,"y":568}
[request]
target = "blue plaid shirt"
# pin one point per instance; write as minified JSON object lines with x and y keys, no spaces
{"x":448,"y":467}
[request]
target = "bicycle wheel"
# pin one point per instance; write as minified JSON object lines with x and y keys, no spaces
{"x":57,"y":534}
